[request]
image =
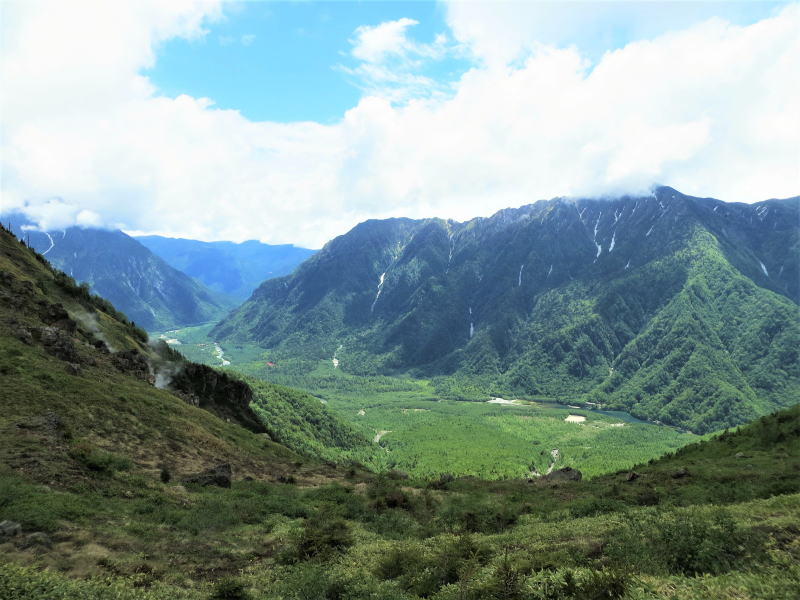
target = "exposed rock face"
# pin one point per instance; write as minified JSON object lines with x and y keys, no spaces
{"x":133,"y":363}
{"x":565,"y":474}
{"x":56,"y":315}
{"x":219,"y":476}
{"x":59,"y":344}
{"x":226,"y":397}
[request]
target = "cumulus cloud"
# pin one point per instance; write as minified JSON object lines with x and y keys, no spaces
{"x":709,"y":108}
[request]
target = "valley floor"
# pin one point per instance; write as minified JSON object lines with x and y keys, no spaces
{"x":425,"y":435}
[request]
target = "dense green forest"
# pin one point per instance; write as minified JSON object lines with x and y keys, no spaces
{"x":677,"y":309}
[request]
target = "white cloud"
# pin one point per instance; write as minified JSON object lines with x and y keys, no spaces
{"x":391,"y":64}
{"x":709,"y":109}
{"x":373,"y":43}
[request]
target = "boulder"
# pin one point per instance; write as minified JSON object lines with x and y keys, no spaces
{"x":682,"y":472}
{"x":565,"y":474}
{"x":73,"y":368}
{"x":9,"y":529}
{"x":219,"y":475}
{"x":57,"y":316}
{"x":36,"y":540}
{"x":59,"y":344}
{"x":22,"y":333}
{"x":217,"y":392}
{"x":134,"y":363}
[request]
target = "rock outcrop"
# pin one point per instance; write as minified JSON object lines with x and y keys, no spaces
{"x":220,"y":476}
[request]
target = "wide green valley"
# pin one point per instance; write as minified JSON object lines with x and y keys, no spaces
{"x":420,"y":427}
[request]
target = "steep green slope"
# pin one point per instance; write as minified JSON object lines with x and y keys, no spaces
{"x":300,"y":422}
{"x":679,"y":309}
{"x":75,"y":369}
{"x":150,"y":292}
{"x":226,"y":267}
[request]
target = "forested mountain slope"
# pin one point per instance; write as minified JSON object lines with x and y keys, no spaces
{"x":150,"y":292}
{"x":676,"y":308}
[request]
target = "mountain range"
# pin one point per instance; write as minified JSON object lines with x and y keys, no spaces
{"x":232,"y":269}
{"x":161,"y":283}
{"x":676,"y":308}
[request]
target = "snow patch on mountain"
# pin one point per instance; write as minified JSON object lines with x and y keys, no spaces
{"x":378,"y":293}
{"x":52,"y":243}
{"x":471,"y":324}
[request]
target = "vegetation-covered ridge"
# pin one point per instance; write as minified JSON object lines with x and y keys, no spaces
{"x":119,"y":268}
{"x":678,"y":309}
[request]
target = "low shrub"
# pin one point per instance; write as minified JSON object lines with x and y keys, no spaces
{"x":684,"y":543}
{"x":98,"y":460}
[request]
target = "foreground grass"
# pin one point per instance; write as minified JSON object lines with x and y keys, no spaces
{"x":714,"y":520}
{"x":335,"y":542}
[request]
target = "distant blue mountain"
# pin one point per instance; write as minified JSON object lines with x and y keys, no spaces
{"x":232,"y":269}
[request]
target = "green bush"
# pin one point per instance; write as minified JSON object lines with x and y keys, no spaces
{"x":476,"y":515}
{"x":684,"y":543}
{"x":229,"y":588}
{"x":322,"y":535}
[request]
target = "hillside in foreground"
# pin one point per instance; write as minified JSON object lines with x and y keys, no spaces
{"x":99,"y":494}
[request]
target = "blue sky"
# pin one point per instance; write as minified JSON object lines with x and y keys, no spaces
{"x":290,"y":122}
{"x":281,"y":61}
